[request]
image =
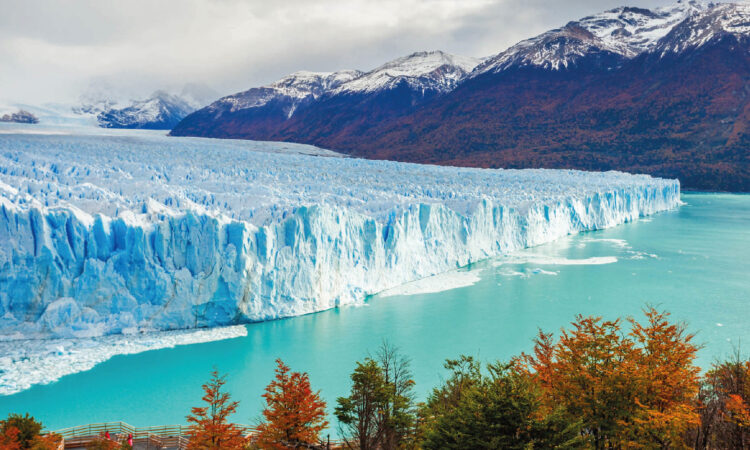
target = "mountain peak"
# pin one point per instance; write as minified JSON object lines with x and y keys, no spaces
{"x":717,"y":21}
{"x":436,"y":70}
{"x":623,"y":33}
{"x":291,"y":91}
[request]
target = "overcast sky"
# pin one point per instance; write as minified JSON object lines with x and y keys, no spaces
{"x":53,"y":50}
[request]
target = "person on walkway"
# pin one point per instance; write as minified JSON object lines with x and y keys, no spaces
{"x":106,"y":435}
{"x":130,"y":440}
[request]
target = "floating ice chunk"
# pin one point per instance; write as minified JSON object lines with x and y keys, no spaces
{"x":436,"y":283}
{"x":548,"y":260}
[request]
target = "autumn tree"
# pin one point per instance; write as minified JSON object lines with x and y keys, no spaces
{"x":28,"y":428}
{"x":631,"y":389}
{"x":668,"y":381}
{"x":102,"y":443}
{"x":358,"y":413}
{"x":294,"y":414}
{"x":590,"y":372}
{"x":51,"y":441}
{"x":210,"y":428}
{"x":724,"y":400}
{"x":9,"y":438}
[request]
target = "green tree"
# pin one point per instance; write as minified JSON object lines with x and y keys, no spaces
{"x":502,"y":409}
{"x":358,"y":414}
{"x":397,"y":418}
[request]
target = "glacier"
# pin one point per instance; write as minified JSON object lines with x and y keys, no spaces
{"x":134,"y":232}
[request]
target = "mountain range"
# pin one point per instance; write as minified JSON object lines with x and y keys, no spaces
{"x":160,"y":111}
{"x":664,"y":91}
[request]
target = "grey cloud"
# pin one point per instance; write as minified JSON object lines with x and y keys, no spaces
{"x":52,"y":50}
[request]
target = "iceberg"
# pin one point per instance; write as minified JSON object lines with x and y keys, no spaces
{"x":135,"y":232}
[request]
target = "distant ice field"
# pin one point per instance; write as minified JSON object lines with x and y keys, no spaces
{"x":129,"y":232}
{"x":259,"y":182}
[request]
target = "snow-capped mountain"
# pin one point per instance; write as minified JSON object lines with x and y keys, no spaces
{"x":422,"y":71}
{"x":620,"y":33}
{"x":391,"y":89}
{"x":723,"y":20}
{"x":598,"y":93}
{"x":287,"y":93}
{"x":161,"y":111}
{"x":434,"y":71}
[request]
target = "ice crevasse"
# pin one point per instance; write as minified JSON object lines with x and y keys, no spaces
{"x":112,"y":234}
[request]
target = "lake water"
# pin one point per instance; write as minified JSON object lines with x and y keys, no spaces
{"x":693,"y":262}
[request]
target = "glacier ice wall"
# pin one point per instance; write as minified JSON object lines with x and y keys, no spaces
{"x":111,"y":234}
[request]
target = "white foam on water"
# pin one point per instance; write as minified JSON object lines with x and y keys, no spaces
{"x":549,"y":260}
{"x":437,"y":283}
{"x":618,"y":243}
{"x":42,"y":361}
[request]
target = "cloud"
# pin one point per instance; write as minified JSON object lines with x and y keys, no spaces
{"x":53,"y":51}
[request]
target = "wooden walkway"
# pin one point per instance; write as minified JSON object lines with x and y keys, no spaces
{"x":172,"y":437}
{"x":146,"y":438}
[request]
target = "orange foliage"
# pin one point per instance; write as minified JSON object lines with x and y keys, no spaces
{"x":294,"y":413}
{"x":625,"y":389}
{"x":210,"y":428}
{"x":9,"y":439}
{"x":668,"y":379}
{"x":49,"y":441}
{"x":102,"y":443}
{"x":739,"y":411}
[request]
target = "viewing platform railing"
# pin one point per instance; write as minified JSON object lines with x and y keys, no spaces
{"x":154,"y":437}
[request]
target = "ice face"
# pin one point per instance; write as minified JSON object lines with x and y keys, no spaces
{"x":131,"y":232}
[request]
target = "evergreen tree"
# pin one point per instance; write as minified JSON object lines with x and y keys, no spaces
{"x":502,"y":409}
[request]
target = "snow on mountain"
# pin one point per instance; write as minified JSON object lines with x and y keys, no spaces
{"x":289,"y":92}
{"x":436,"y":70}
{"x":623,"y":32}
{"x":729,"y":19}
{"x":423,"y":71}
{"x":134,"y":232}
{"x":161,"y":111}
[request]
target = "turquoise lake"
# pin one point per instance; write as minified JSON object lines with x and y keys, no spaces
{"x":693,"y":262}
